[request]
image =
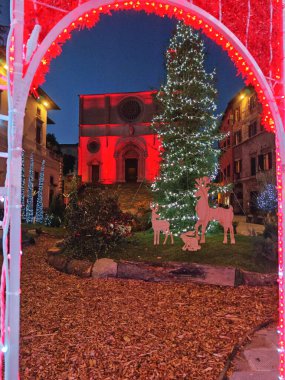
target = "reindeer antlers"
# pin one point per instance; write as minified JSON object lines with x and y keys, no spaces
{"x":153,"y":206}
{"x":204,"y":181}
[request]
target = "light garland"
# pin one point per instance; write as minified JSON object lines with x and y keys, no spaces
{"x":23,"y":181}
{"x":30,"y":204}
{"x":267,"y":200}
{"x":281,"y":327}
{"x":256,"y":37}
{"x":39,"y":207}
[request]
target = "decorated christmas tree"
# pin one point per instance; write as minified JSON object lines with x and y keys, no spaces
{"x":39,"y":207}
{"x":29,"y":205}
{"x":23,"y":180}
{"x":187,"y":127}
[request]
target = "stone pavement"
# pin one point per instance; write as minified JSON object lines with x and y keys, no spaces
{"x":259,"y":359}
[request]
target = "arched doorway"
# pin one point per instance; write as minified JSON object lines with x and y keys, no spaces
{"x":131,"y":167}
{"x":31,"y":19}
{"x":130,"y":155}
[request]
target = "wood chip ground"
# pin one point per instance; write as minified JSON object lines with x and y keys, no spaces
{"x":112,"y":329}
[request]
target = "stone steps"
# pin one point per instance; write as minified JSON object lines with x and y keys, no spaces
{"x":133,"y":196}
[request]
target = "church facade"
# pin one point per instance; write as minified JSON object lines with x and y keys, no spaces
{"x":116,"y":142}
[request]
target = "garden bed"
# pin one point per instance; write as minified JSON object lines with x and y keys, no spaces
{"x":137,"y":259}
{"x":242,"y":255}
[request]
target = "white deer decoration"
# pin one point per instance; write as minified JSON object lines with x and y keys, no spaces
{"x":206,"y":213}
{"x":159,"y":226}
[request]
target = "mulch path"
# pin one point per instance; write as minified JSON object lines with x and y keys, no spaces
{"x":74,"y":328}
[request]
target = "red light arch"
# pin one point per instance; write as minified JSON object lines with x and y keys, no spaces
{"x":259,"y":61}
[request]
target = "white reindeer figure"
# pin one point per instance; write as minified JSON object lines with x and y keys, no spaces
{"x":206,"y":214}
{"x":159,"y":226}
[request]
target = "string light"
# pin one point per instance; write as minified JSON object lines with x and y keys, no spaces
{"x":30,"y":203}
{"x":39,"y":206}
{"x":187,"y":128}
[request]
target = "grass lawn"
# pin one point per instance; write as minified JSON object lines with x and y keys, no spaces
{"x":241,"y":255}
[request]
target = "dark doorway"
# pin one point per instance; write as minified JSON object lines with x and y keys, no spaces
{"x":95,"y":173}
{"x":253,"y":202}
{"x":131,"y":169}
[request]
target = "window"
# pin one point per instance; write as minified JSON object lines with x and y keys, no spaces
{"x":38,"y":111}
{"x":93,"y":146}
{"x":237,"y":137}
{"x":228,"y":170}
{"x":36,"y":176}
{"x":265,"y":161}
{"x":253,"y":165}
{"x":252,"y":102}
{"x":237,"y":115}
{"x":238,"y":166}
{"x":39,"y":127}
{"x":51,"y":194}
{"x":51,"y":180}
{"x":253,"y":201}
{"x":231,"y":119}
{"x":95,"y":173}
{"x":228,"y":141}
{"x":220,"y":176}
{"x":252,"y":129}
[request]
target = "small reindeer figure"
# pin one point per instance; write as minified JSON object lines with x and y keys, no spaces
{"x":205,"y":213}
{"x":191,"y":242}
{"x":159,"y":226}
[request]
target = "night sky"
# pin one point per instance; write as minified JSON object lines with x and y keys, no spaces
{"x":122,"y":53}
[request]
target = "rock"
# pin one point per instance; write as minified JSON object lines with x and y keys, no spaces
{"x":258,"y":279}
{"x":207,"y":274}
{"x":53,"y":251}
{"x":60,"y":243}
{"x":104,"y":268}
{"x":81,"y":268}
{"x":141,"y":271}
{"x":179,"y":272}
{"x":32,"y":232}
{"x":59,"y":262}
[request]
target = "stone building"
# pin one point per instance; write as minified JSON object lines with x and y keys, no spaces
{"x":34,"y":140}
{"x":248,"y":151}
{"x":116,"y":143}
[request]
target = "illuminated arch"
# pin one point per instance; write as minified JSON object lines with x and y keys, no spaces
{"x":191,"y":15}
{"x":19,"y":83}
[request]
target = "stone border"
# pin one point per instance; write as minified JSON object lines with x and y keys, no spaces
{"x":157,"y":272}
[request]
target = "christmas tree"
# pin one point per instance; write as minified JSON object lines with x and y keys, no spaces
{"x":29,"y":205}
{"x":39,"y":208}
{"x":23,"y":186}
{"x":187,"y":127}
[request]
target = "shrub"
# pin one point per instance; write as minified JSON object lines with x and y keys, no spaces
{"x":266,"y":248}
{"x":57,"y":207}
{"x":54,"y":216}
{"x":94,"y":223}
{"x":142,"y":220}
{"x":51,"y":220}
